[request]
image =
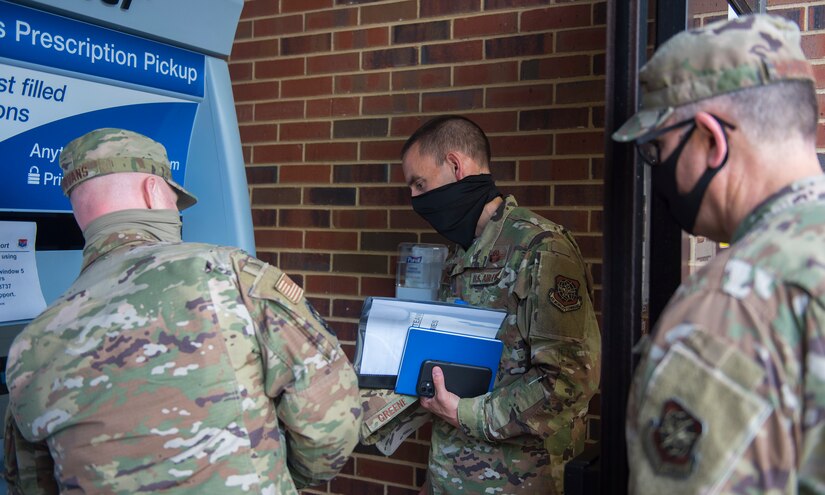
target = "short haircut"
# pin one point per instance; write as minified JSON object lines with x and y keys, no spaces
{"x":770,"y":114}
{"x":447,"y":133}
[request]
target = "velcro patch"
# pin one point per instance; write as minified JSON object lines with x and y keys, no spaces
{"x":485,"y":278}
{"x":289,"y":289}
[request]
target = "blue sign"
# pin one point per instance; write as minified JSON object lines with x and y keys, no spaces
{"x":46,"y":39}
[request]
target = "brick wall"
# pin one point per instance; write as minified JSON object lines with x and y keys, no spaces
{"x":327,"y":91}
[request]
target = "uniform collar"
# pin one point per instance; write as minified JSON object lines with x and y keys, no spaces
{"x":479,"y":251}
{"x":807,"y":190}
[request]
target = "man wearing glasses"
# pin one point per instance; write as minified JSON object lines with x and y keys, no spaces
{"x":730,"y":394}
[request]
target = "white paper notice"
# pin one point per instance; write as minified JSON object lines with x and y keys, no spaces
{"x":20,"y":294}
{"x":389,"y":319}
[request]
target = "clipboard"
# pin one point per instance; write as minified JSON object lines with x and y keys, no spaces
{"x":438,"y":345}
{"x":384,"y":324}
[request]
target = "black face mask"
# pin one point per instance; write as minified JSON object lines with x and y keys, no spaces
{"x":684,"y":208}
{"x":454,"y":209}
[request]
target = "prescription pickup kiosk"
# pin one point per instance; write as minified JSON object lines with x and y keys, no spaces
{"x":67,"y":67}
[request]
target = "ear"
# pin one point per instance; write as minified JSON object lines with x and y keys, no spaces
{"x":717,"y":139}
{"x":151,"y":192}
{"x":456,"y":163}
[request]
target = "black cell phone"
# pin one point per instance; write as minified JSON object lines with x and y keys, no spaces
{"x":464,"y":380}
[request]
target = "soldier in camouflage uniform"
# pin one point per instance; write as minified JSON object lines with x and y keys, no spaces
{"x":167,"y":366}
{"x":730,"y":394}
{"x":516,"y":438}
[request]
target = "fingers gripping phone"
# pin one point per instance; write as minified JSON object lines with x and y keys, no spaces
{"x":464,"y":380}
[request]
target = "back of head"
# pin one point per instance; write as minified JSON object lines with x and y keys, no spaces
{"x":448,"y":133}
{"x":117,"y":151}
{"x":755,"y":54}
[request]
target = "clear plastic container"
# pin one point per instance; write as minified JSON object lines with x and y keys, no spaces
{"x":418,"y":273}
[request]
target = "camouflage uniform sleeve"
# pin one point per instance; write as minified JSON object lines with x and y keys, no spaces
{"x":555,"y":314}
{"x":29,"y":468}
{"x":307,"y":374}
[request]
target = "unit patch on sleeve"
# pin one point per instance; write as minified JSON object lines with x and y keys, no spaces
{"x":565,"y":295}
{"x":671,"y":440}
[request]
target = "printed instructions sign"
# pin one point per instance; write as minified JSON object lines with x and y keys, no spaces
{"x":20,"y":294}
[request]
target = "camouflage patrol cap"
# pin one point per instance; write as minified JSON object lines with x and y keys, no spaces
{"x":109,"y":151}
{"x":722,"y":57}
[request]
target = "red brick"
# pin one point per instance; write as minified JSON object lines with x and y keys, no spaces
{"x":389,"y":58}
{"x":256,"y":8}
{"x":347,"y":308}
{"x":554,"y":118}
{"x":578,"y":195}
{"x":530,"y":196}
{"x":360,"y":263}
{"x":359,"y":219}
{"x":580,"y":91}
{"x":339,"y":62}
{"x":404,"y":126}
{"x":363,"y":172}
{"x":563,"y":169}
{"x":433,"y":8}
{"x":592,"y":247}
{"x":304,"y":131}
{"x":290,"y":239}
{"x":240,"y":71}
{"x":332,"y":241}
{"x":394,"y":104}
{"x":277,"y":153}
{"x":421,"y":79}
{"x":363,"y":38}
{"x":258,"y":133}
{"x":795,"y":15}
{"x":501,"y":121}
{"x":293,"y":217}
{"x":312,"y":174}
{"x":326,"y":152}
{"x":278,"y":110}
{"x":384,"y":241}
{"x":276,"y":196}
{"x":332,"y":19}
{"x":331,"y":284}
{"x":384,"y":471}
{"x":346,"y":331}
{"x":420,"y":32}
{"x":279,"y":26}
{"x":520,"y":96}
{"x":315,"y":86}
{"x":243,"y":31}
{"x":446,"y":101}
{"x":360,"y":128}
{"x":523,"y":145}
{"x":256,"y":91}
{"x":519,"y":46}
{"x":499,"y":4}
{"x":813,"y":45}
{"x":315,"y":262}
{"x":311,"y":43}
{"x":408,"y":219}
{"x":558,"y":17}
{"x":556,"y":67}
{"x":332,"y":107}
{"x":389,"y":12}
{"x":579,"y":143}
{"x":245,"y":113}
{"x":381,"y":150}
{"x":397,"y":490}
{"x":341,"y":196}
{"x":244,"y":50}
{"x":485,"y":74}
{"x":281,"y":67}
{"x":485,"y":25}
{"x":384,"y":196}
{"x":305,"y":5}
{"x":373,"y":82}
{"x":574,"y":220}
{"x":378,"y":287}
{"x":412,"y":452}
{"x":578,"y":40}
{"x":452,"y":53}
{"x":263,"y":218}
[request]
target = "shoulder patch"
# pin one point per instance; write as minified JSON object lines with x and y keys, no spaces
{"x":671,"y":440}
{"x":289,"y":289}
{"x":565,"y":294}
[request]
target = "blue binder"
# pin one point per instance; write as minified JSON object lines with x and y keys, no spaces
{"x":423,"y":344}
